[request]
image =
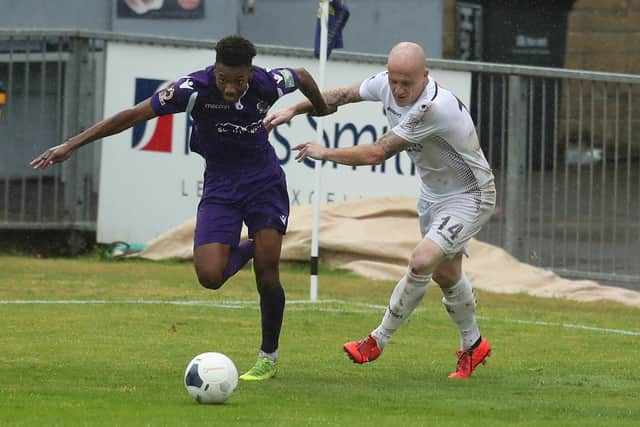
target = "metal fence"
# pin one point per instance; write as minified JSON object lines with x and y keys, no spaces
{"x":564,"y":146}
{"x":53,"y":85}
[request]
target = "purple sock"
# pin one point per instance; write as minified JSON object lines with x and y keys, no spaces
{"x":272,"y":312}
{"x":238,"y":257}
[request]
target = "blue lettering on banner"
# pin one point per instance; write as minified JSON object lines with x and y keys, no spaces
{"x":340,"y":132}
{"x":356,"y":136}
{"x":325,"y":140}
{"x":285,"y":143}
{"x":297,"y":196}
{"x":344,"y":134}
{"x":192,"y":189}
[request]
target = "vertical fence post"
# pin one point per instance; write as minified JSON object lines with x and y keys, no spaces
{"x":516,"y":195}
{"x":78,"y":99}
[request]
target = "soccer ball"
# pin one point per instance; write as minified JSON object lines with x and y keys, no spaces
{"x":210,"y":378}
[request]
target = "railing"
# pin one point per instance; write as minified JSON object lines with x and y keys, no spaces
{"x":53,"y":86}
{"x":565,"y":152}
{"x":564,"y":146}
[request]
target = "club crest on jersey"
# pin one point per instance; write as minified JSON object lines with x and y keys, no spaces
{"x":262,"y":106}
{"x":425,"y":107}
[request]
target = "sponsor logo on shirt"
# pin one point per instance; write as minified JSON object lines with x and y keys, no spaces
{"x":235,"y":129}
{"x":414,"y":120}
{"x":187,"y":84}
{"x":216,"y":106}
{"x":286,"y":75}
{"x":288,"y":78}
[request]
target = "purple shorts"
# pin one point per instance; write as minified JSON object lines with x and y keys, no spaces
{"x":220,"y":221}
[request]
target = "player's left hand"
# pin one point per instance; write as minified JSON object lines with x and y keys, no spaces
{"x":309,"y":149}
{"x":277,"y":118}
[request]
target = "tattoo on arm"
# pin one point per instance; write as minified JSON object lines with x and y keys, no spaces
{"x":392,"y":144}
{"x":343,"y":95}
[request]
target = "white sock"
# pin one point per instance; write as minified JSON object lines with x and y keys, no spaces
{"x":272,"y":356}
{"x":405,"y":298}
{"x":460,"y":302}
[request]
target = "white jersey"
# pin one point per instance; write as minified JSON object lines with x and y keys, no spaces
{"x":444,"y":143}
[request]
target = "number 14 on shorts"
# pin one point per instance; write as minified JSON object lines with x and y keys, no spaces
{"x":453,"y":229}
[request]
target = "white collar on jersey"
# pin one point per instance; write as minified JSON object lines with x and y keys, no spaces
{"x":238,"y":104}
{"x":431,"y":89}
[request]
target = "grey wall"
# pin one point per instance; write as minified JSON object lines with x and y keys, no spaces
{"x":221,"y":19}
{"x":40,"y":14}
{"x":374,"y":26}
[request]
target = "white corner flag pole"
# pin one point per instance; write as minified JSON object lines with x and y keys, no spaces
{"x":313,"y":290}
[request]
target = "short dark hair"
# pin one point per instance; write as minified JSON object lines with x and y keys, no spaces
{"x":234,"y":51}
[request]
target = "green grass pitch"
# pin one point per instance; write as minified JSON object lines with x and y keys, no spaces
{"x":113,"y":348}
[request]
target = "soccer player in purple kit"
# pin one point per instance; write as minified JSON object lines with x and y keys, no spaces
{"x":243,"y":180}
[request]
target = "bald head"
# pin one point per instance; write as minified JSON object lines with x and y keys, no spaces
{"x":407,"y":57}
{"x":407,"y":72}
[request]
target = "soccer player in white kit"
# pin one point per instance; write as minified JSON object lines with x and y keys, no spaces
{"x":457,"y":194}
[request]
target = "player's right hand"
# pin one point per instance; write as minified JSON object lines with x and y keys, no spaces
{"x":309,"y":149}
{"x":56,"y":154}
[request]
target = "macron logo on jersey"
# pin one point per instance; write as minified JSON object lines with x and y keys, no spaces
{"x":156,"y":134}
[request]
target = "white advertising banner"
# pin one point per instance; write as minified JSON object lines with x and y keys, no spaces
{"x":150,"y":182}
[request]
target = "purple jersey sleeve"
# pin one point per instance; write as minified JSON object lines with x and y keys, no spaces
{"x":179,"y":96}
{"x":286,"y":80}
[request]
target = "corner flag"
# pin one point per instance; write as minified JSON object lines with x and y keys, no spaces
{"x":3,"y":98}
{"x":338,"y":16}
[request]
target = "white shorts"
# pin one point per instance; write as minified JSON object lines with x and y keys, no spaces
{"x":451,"y":222}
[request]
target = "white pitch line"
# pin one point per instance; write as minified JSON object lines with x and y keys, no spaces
{"x":564,"y":325}
{"x":305,"y":305}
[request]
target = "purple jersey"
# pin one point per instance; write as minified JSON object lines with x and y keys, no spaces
{"x":240,"y":161}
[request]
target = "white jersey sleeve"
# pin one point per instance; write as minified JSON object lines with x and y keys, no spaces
{"x":372,"y":89}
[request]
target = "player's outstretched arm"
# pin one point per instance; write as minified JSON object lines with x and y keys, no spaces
{"x":333,"y":98}
{"x":309,"y":88}
{"x":370,"y":154}
{"x":109,"y":126}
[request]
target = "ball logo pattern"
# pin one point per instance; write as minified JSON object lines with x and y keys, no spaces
{"x":211,"y":378}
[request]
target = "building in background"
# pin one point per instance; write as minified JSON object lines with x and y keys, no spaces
{"x":374,"y":26}
{"x":587,"y":35}
{"x":599,"y":35}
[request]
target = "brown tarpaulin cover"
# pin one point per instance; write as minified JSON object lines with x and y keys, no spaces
{"x":374,"y":238}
